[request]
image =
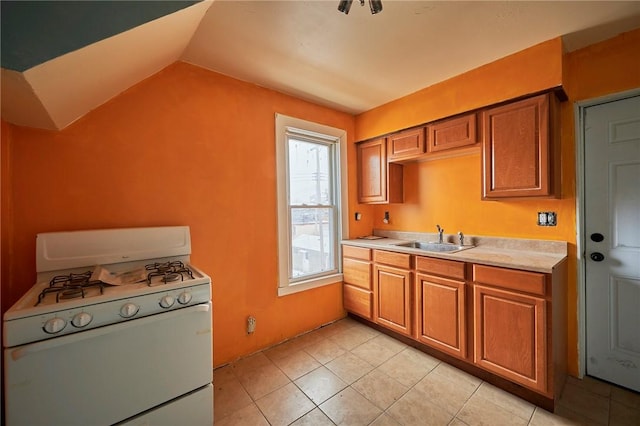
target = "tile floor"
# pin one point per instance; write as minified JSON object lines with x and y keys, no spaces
{"x":349,"y":374}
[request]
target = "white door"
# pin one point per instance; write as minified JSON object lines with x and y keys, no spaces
{"x":612,"y":235}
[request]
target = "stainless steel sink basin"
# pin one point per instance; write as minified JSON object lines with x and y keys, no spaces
{"x":435,"y":247}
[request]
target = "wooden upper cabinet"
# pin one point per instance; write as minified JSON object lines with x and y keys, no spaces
{"x":378,"y":181}
{"x":518,"y":149}
{"x":406,"y":145}
{"x":452,"y":133}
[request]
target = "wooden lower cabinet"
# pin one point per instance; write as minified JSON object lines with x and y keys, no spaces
{"x":392,"y":292}
{"x":441,"y":319}
{"x":510,"y":333}
{"x":506,"y":323}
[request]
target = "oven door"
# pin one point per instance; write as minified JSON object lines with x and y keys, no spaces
{"x":109,"y":374}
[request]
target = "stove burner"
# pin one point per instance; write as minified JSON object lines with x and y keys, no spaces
{"x":69,"y":286}
{"x":168,"y":271}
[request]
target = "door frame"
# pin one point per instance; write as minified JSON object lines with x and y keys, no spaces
{"x":579,"y":113}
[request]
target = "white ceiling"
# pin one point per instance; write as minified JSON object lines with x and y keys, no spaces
{"x":308,"y":49}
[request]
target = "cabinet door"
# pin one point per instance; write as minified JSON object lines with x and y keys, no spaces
{"x":516,"y":150}
{"x":441,"y":314}
{"x":452,"y":133}
{"x":392,"y":293}
{"x":511,"y":336}
{"x":407,"y":144}
{"x":378,"y":182}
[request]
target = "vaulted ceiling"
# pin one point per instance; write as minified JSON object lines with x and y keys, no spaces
{"x":62,"y":59}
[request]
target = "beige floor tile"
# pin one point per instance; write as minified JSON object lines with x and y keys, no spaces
{"x":623,"y":415}
{"x":448,"y":391}
{"x":224,"y":374}
{"x":229,"y":396}
{"x":262,"y":380}
{"x":456,"y":375}
{"x":309,"y":338}
{"x":350,"y":408}
{"x":349,"y":367}
{"x":480,"y":412}
{"x":511,"y":403}
{"x":409,"y":366}
{"x":249,"y":415}
{"x":415,"y":409}
{"x":250,"y":363}
{"x":297,"y":364}
{"x":377,"y":350}
{"x":283,"y":350}
{"x":543,"y":417}
{"x":324,"y":351}
{"x":573,"y":418}
{"x":587,"y":404}
{"x":380,"y":389}
{"x":457,"y":422}
{"x":351,"y":337}
{"x":591,"y":384}
{"x":314,"y":417}
{"x":385,"y":420}
{"x":320,"y":384}
{"x":626,"y":397}
{"x":285,"y":405}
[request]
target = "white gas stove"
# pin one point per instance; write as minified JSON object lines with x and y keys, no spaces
{"x":126,"y":300}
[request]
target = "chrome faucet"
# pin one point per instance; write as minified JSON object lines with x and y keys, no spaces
{"x":440,"y":232}
{"x":461,"y":238}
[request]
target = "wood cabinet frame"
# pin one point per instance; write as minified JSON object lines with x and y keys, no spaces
{"x":379,"y":182}
{"x":520,"y":149}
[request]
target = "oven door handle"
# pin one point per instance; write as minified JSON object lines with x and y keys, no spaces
{"x":22,"y":351}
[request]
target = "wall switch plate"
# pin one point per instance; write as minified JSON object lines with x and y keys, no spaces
{"x":358,"y":215}
{"x":547,"y":219}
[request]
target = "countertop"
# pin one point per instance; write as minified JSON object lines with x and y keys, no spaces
{"x":529,"y":255}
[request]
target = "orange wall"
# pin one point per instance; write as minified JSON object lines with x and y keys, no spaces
{"x":96,"y":174}
{"x":447,"y":191}
{"x":185,"y":147}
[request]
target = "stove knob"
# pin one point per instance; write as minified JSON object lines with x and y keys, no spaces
{"x":81,"y":320}
{"x":128,"y":310}
{"x":184,"y":298}
{"x":167,"y":301}
{"x":54,"y":325}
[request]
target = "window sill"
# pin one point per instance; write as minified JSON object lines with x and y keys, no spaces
{"x":308,"y":285}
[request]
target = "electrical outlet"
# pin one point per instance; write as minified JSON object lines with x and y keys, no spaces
{"x":251,"y":325}
{"x":547,"y":219}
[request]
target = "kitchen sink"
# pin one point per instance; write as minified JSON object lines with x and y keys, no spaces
{"x":435,"y":247}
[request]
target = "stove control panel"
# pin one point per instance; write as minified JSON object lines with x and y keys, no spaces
{"x":98,"y":311}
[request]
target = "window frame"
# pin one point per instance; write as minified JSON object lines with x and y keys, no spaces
{"x":290,"y":126}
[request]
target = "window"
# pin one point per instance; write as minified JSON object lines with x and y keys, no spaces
{"x":311,"y":170}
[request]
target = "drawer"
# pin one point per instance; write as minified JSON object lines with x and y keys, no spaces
{"x":356,"y":252}
{"x":529,"y":282}
{"x":357,"y":300}
{"x":446,"y":268}
{"x":357,"y":272}
{"x":400,"y":260}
